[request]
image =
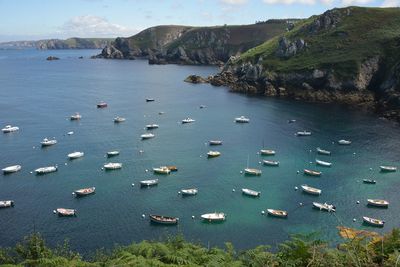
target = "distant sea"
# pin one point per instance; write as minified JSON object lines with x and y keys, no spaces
{"x":39,"y":96}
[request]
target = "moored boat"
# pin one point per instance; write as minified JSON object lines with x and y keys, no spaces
{"x":344,"y":142}
{"x":10,"y":129}
{"x":323,"y":151}
{"x":323,"y":163}
{"x":75,"y":155}
{"x":11,"y":169}
{"x":44,"y":170}
{"x":251,"y":171}
{"x":147,"y":136}
{"x":291,"y":121}
{"x":6,"y":203}
{"x":213,"y":154}
{"x":189,"y":192}
{"x":150,"y":99}
{"x":369,"y":181}
{"x":215,"y":142}
{"x":312,"y":173}
{"x":162,"y":170}
{"x":388,"y":168}
{"x":149,"y":182}
{"x":373,"y":221}
{"x":102,"y":104}
{"x":277,"y":213}
{"x":188,"y":120}
{"x":76,"y":116}
{"x":324,"y":206}
{"x":378,"y":203}
{"x":119,"y":119}
{"x":112,"y":153}
{"x":112,"y":166}
{"x":164,"y":219}
{"x":48,"y":142}
{"x":84,"y":191}
{"x":214,"y":217}
{"x":250,"y":192}
{"x":242,"y":119}
{"x":152,"y":126}
{"x":267,"y":152}
{"x":65,"y":212}
{"x":303,"y":133}
{"x":271,"y":163}
{"x":311,"y":190}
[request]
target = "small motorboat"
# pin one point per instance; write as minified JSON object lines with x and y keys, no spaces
{"x":75,"y":155}
{"x":303,"y":133}
{"x":151,"y":126}
{"x":251,"y":171}
{"x":388,"y":168}
{"x":373,"y":222}
{"x":271,"y":163}
{"x":163,"y":219}
{"x":65,"y":212}
{"x":242,"y":119}
{"x":312,"y":173}
{"x":161,"y":113}
{"x":48,"y":142}
{"x":378,"y":203}
{"x":215,"y":142}
{"x":11,"y":169}
{"x":112,"y":166}
{"x":70,"y":133}
{"x":250,"y":192}
{"x":324,"y":206}
{"x":277,"y":213}
{"x":6,"y":203}
{"x":189,"y":192}
{"x":267,"y":152}
{"x":10,"y":129}
{"x":323,"y":163}
{"x":323,"y":151}
{"x":311,"y":190}
{"x":112,"y":153}
{"x":44,"y":170}
{"x":119,"y":119}
{"x":202,"y":106}
{"x":213,"y":217}
{"x":102,"y":104}
{"x":147,"y":136}
{"x":162,"y":170}
{"x":344,"y":142}
{"x":172,"y":168}
{"x":150,"y":99}
{"x":369,"y":181}
{"x":213,"y":154}
{"x":187,"y":120}
{"x":149,"y":182}
{"x":291,"y":121}
{"x":84,"y":191}
{"x":76,"y":117}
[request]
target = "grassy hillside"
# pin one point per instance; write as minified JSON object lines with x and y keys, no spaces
{"x":74,"y":43}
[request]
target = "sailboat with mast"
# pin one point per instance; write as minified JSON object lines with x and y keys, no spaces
{"x":251,"y":171}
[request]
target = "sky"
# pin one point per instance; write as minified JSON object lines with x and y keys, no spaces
{"x":43,"y":19}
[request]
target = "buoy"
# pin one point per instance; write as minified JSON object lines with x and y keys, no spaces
{"x":133,"y":184}
{"x":358,"y":202}
{"x":262,"y":212}
{"x":298,"y":172}
{"x":370,"y":169}
{"x":102,"y":168}
{"x":311,"y":162}
{"x":65,"y":164}
{"x":30,"y":172}
{"x":73,"y":193}
{"x":258,"y":153}
{"x":146,"y":170}
{"x":54,"y":211}
{"x":33,"y":147}
{"x":143,"y":216}
{"x":296,"y":188}
{"x":241,"y":171}
{"x":201,"y":156}
{"x":141,"y":151}
{"x":301,"y":203}
{"x":310,"y":150}
{"x":354,"y":220}
{"x":179,"y":192}
{"x":333,"y":142}
{"x":259,"y":162}
{"x":192,"y":216}
{"x":233,"y":190}
{"x":354,"y":153}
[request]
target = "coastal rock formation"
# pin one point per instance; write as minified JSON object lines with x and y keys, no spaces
{"x":195,"y":79}
{"x":52,"y":58}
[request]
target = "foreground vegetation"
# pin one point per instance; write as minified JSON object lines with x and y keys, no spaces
{"x":300,"y":250}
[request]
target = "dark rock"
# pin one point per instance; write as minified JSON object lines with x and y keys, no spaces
{"x":288,"y":49}
{"x":52,"y":58}
{"x":195,"y":79}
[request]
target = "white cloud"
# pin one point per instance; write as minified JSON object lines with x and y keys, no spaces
{"x":355,"y":2}
{"x":93,"y":26}
{"x":391,"y":3}
{"x":234,"y":2}
{"x":289,"y":2}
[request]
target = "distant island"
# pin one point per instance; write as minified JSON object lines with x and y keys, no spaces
{"x":50,"y":44}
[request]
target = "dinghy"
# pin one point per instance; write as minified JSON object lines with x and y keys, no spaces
{"x":323,"y":152}
{"x":215,"y":142}
{"x":388,"y":168}
{"x":10,"y":129}
{"x":344,"y":142}
{"x":112,"y":166}
{"x":251,"y":171}
{"x":311,"y":190}
{"x":75,"y":155}
{"x":65,"y":212}
{"x":48,"y":142}
{"x":303,"y":133}
{"x":119,"y":119}
{"x":151,"y":126}
{"x":378,"y":203}
{"x":6,"y":203}
{"x":84,"y":191}
{"x":250,"y":192}
{"x":369,"y":181}
{"x":323,"y":163}
{"x":149,"y":182}
{"x":312,"y":173}
{"x":189,"y":192}
{"x":187,"y":120}
{"x":163,"y":219}
{"x":271,"y":163}
{"x":324,"y":206}
{"x":242,"y":119}
{"x":102,"y":104}
{"x":11,"y":169}
{"x":277,"y":213}
{"x":267,"y":152}
{"x":76,"y":117}
{"x":162,"y":170}
{"x":44,"y":170}
{"x":213,"y":154}
{"x":147,"y":136}
{"x":213,"y":217}
{"x":112,"y":153}
{"x":373,"y":221}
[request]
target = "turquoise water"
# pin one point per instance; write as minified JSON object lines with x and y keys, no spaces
{"x":39,"y":96}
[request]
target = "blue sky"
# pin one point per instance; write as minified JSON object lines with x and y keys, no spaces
{"x":39,"y":19}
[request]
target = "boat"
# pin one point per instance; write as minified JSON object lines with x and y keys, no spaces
{"x":44,"y":170}
{"x":311,"y":190}
{"x":277,"y":213}
{"x":251,"y":171}
{"x":164,"y":219}
{"x":75,"y":155}
{"x":271,"y":162}
{"x":150,"y":99}
{"x":303,"y":133}
{"x":6,"y":203}
{"x":119,"y":119}
{"x":369,"y":181}
{"x":322,"y":151}
{"x":147,"y":136}
{"x":187,"y":120}
{"x":378,"y":203}
{"x":213,"y":154}
{"x":213,"y":217}
{"x":312,"y":173}
{"x":84,"y":191}
{"x":242,"y":119}
{"x":189,"y":192}
{"x":70,"y":133}
{"x":373,"y":221}
{"x":65,"y":212}
{"x":112,"y":153}
{"x":10,"y":129}
{"x":48,"y":142}
{"x":267,"y":152}
{"x":250,"y":192}
{"x":76,"y":117}
{"x":291,"y":121}
{"x":149,"y":182}
{"x":215,"y":142}
{"x":172,"y":168}
{"x":388,"y":168}
{"x":151,"y":126}
{"x":11,"y":169}
{"x":344,"y":142}
{"x":162,"y":170}
{"x":112,"y":166}
{"x":323,"y":163}
{"x":102,"y":104}
{"x":202,"y":106}
{"x":324,"y":206}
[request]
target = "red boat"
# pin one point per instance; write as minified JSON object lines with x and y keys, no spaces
{"x":102,"y":104}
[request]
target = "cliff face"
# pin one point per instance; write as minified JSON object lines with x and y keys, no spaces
{"x":71,"y":43}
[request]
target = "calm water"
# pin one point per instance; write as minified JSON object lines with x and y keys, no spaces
{"x":39,"y":96}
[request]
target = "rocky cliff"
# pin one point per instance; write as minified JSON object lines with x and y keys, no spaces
{"x":71,"y":43}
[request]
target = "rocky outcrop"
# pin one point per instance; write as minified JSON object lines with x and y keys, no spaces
{"x":287,"y":49}
{"x":327,"y":21}
{"x":195,"y":79}
{"x":52,"y":58}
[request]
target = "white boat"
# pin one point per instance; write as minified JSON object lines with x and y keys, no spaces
{"x":212,"y":217}
{"x":147,"y":136}
{"x":202,"y":106}
{"x":251,"y":171}
{"x":322,"y":151}
{"x":291,"y":121}
{"x":250,"y":192}
{"x":378,"y":203}
{"x":267,"y":152}
{"x":11,"y":169}
{"x":388,"y":168}
{"x":48,"y":142}
{"x":70,"y":133}
{"x":162,"y":170}
{"x":323,"y":163}
{"x":112,"y":153}
{"x":312,"y":173}
{"x":76,"y":116}
{"x":277,"y":213}
{"x":213,"y":154}
{"x":189,"y":192}
{"x":242,"y":119}
{"x":373,"y":222}
{"x":303,"y":133}
{"x":187,"y":120}
{"x":271,"y":163}
{"x":75,"y":155}
{"x":151,"y":126}
{"x":311,"y":190}
{"x":65,"y":212}
{"x":119,"y":119}
{"x":84,"y":191}
{"x":149,"y":182}
{"x":44,"y":170}
{"x":112,"y":166}
{"x":215,"y":142}
{"x":324,"y":206}
{"x":344,"y":142}
{"x":369,"y":181}
{"x":6,"y":203}
{"x":10,"y":129}
{"x":150,"y":99}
